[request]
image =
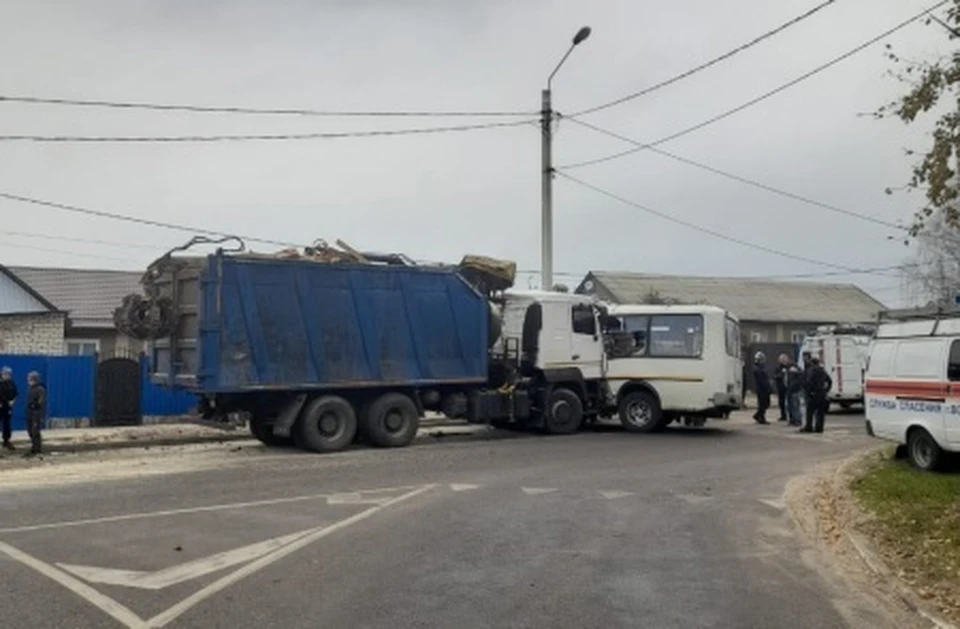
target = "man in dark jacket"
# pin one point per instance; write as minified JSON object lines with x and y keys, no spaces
{"x":818,"y":384}
{"x":761,"y":380}
{"x":8,"y":395}
{"x":36,"y":412}
{"x":780,"y":378}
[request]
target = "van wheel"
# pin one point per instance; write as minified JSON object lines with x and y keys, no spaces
{"x":327,"y":424}
{"x":391,"y":421}
{"x":923,"y":451}
{"x":563,"y":412}
{"x":640,"y":412}
{"x":262,"y":430}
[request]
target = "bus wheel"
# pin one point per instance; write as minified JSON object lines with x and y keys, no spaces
{"x":640,"y":412}
{"x":563,"y":413}
{"x":923,"y":451}
{"x":327,"y":424}
{"x":391,"y":421}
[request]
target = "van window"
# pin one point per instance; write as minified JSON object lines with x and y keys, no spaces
{"x":732,"y":330}
{"x":953,"y":363}
{"x":584,"y":321}
{"x":676,"y":336}
{"x":919,"y":358}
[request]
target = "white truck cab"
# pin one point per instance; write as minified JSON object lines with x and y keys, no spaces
{"x":913,"y":388}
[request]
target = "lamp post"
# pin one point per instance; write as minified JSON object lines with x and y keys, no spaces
{"x":546,"y":181}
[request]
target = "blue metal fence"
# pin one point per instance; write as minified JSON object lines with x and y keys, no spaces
{"x":156,"y":400}
{"x":71,"y":383}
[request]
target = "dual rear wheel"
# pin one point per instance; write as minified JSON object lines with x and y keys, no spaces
{"x":330,"y":423}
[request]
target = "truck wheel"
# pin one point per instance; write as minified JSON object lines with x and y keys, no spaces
{"x":563,"y":412}
{"x":263,"y":431}
{"x":923,"y":451}
{"x":640,"y":412}
{"x":391,"y":421}
{"x":327,"y":424}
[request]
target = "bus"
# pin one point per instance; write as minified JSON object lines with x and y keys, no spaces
{"x":670,"y":363}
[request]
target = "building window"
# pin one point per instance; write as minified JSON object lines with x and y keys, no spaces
{"x":82,"y":347}
{"x":676,"y":336}
{"x":797,"y":337}
{"x":758,"y":336}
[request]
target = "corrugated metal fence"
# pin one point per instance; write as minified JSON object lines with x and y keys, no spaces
{"x":71,"y":383}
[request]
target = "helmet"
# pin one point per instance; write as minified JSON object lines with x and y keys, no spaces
{"x":759,"y":357}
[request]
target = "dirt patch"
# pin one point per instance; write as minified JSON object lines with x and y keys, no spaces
{"x":826,"y":510}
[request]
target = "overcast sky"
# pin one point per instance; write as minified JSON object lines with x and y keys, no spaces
{"x":440,"y":196}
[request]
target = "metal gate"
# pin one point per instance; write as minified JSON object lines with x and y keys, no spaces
{"x":118,"y":392}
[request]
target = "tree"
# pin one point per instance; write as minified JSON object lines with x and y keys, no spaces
{"x":933,"y":275}
{"x":933,"y":93}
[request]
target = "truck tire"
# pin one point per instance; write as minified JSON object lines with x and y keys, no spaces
{"x":263,"y":432}
{"x":391,"y":421}
{"x":923,"y":451}
{"x":640,"y":412}
{"x":562,"y":413}
{"x":327,"y":424}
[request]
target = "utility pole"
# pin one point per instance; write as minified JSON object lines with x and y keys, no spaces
{"x":546,"y":193}
{"x":546,"y":176}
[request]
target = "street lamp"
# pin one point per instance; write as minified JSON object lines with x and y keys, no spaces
{"x":546,"y":182}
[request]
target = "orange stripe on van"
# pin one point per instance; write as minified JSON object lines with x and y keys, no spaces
{"x":911,"y":388}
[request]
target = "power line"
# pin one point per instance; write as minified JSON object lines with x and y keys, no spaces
{"x":765,"y":96}
{"x":706,"y":230}
{"x":76,"y":102}
{"x":708,"y":64}
{"x":135,"y":219}
{"x":93,"y":241}
{"x":81,"y":254}
{"x":259,"y":137}
{"x":741,"y":179}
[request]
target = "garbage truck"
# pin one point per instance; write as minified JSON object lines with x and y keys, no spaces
{"x":321,"y":348}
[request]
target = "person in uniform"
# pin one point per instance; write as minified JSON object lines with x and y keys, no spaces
{"x":761,"y":380}
{"x":818,"y":384}
{"x":8,"y":395}
{"x":36,"y":412}
{"x":780,"y":378}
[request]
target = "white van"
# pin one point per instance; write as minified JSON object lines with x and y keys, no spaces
{"x":913,"y":388}
{"x":843,"y":351}
{"x":686,"y":357}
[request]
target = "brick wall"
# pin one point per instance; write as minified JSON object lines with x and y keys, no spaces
{"x":40,"y":333}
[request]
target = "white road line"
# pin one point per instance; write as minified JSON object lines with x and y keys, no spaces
{"x":183,"y":572}
{"x":694,"y":499}
{"x":614,"y":494}
{"x":536,"y":491}
{"x":463,"y":487}
{"x":185,"y":605}
{"x":773,"y":503}
{"x":158,"y":514}
{"x":104,"y":603}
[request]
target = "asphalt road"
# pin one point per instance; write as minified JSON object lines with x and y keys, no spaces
{"x":605,"y":529}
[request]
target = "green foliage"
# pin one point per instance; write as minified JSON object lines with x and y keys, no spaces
{"x":932,"y":93}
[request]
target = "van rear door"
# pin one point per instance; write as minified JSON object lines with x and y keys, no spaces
{"x":951,"y":410}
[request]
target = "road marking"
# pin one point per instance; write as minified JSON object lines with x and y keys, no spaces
{"x":536,"y":491}
{"x":159,"y":514}
{"x":694,"y":499}
{"x":132,"y":621}
{"x":773,"y":503}
{"x":184,"y":572}
{"x":463,"y":487}
{"x":174,"y":612}
{"x":614,"y":494}
{"x":353,"y":498}
{"x":104,"y":603}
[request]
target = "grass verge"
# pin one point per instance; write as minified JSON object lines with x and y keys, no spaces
{"x":914,"y":519}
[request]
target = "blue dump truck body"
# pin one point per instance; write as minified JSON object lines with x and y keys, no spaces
{"x":272,"y":324}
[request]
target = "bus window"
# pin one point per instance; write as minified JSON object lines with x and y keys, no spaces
{"x":638,"y":325}
{"x":732,"y":329}
{"x":676,"y":336}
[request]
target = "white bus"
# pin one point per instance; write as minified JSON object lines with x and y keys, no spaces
{"x":673,"y":363}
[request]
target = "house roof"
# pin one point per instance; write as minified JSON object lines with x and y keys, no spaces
{"x":749,"y":299}
{"x":89,"y":296}
{"x":33,"y":298}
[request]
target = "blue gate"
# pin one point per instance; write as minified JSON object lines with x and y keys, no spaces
{"x":69,"y":381}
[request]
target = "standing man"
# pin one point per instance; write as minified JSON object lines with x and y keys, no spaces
{"x":8,"y":395}
{"x":780,"y":377}
{"x":819,"y":384}
{"x":36,"y":412}
{"x":761,"y":380}
{"x":795,"y":393}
